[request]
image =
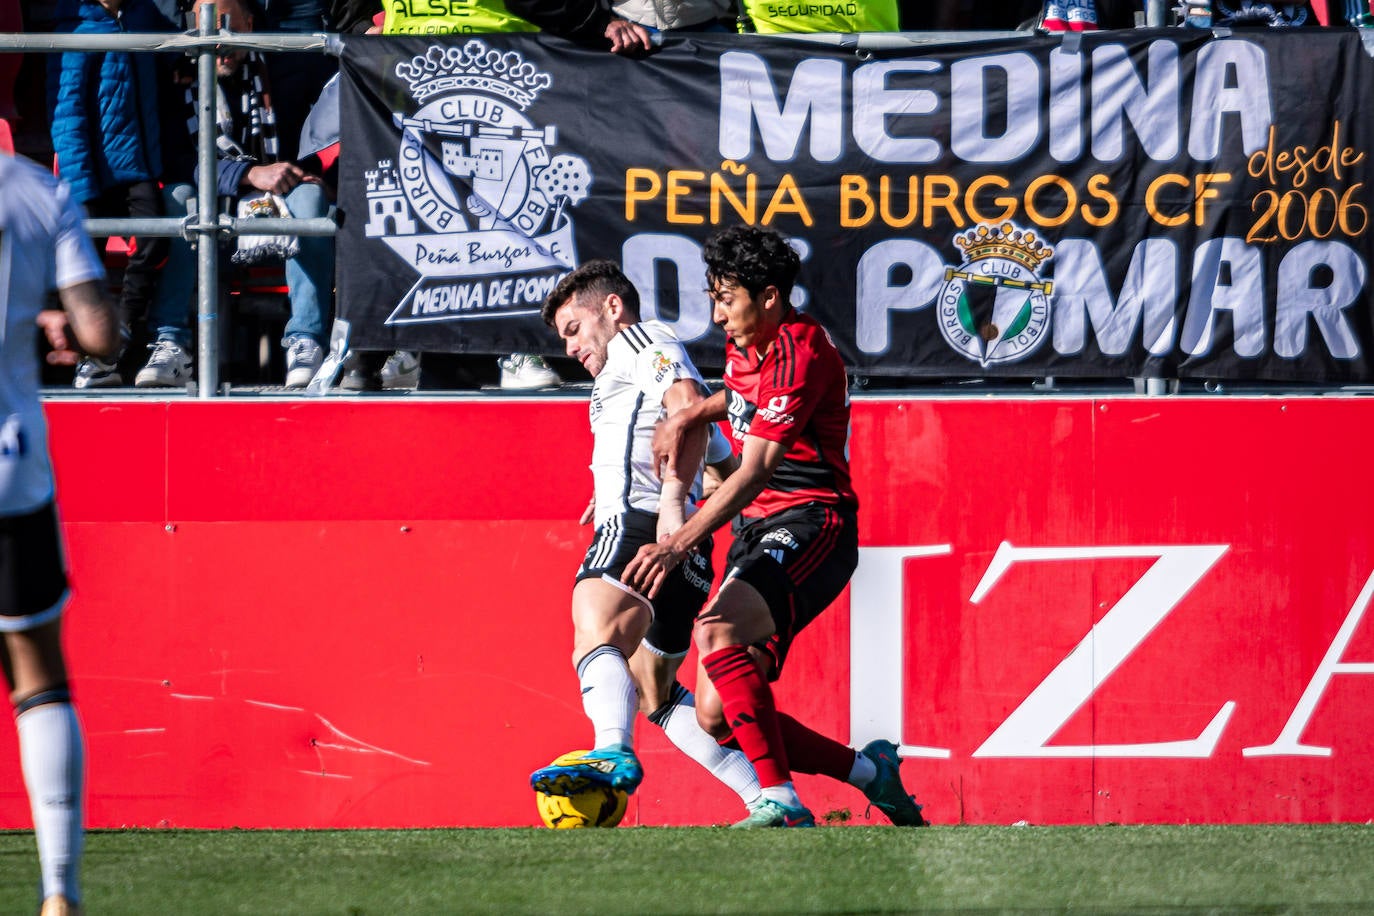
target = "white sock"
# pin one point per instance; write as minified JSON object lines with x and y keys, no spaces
{"x":863,"y":771}
{"x":51,"y":754}
{"x":785,"y":793}
{"x":678,"y":719}
{"x":608,"y":695}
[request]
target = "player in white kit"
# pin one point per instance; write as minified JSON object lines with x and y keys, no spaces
{"x":42,"y":248}
{"x":622,"y":640}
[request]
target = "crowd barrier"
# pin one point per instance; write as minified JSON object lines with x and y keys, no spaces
{"x":355,"y":613}
{"x":1156,"y":204}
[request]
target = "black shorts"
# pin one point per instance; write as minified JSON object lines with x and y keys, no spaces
{"x":683,"y":593}
{"x":33,"y":577}
{"x":799,"y":560}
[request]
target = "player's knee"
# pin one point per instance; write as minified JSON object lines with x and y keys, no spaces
{"x":712,"y":721}
{"x":711,"y":636}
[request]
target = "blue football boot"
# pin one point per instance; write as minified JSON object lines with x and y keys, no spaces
{"x":612,"y":767}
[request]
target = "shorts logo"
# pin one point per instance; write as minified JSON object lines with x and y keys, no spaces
{"x":780,"y":536}
{"x":994,"y":308}
{"x":474,"y":201}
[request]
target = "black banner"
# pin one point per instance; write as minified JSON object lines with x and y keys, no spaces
{"x":1148,"y":202}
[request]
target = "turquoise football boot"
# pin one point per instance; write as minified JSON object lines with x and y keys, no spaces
{"x":768,"y":813}
{"x":886,"y":792}
{"x":612,"y":767}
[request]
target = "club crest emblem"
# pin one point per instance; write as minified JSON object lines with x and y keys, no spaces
{"x":477,"y":200}
{"x":994,"y":308}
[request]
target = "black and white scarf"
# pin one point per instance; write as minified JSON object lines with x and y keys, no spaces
{"x":247,"y":126}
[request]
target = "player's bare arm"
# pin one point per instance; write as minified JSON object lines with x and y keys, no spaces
{"x":715,"y":473}
{"x":760,"y":459}
{"x":670,"y":434}
{"x":680,"y":396}
{"x":88,"y":316}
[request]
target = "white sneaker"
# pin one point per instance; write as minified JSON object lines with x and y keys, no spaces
{"x":401,"y":370}
{"x":96,"y":373}
{"x":303,"y":357}
{"x":168,"y":367}
{"x":527,"y":372}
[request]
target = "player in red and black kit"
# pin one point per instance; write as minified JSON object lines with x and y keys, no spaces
{"x":795,"y":527}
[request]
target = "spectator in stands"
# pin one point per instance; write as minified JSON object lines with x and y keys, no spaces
{"x":252,"y":163}
{"x":626,"y":26}
{"x":105,"y":132}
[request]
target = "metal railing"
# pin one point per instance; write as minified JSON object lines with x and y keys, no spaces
{"x":206,"y":227}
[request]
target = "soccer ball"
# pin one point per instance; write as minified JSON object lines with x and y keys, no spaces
{"x":594,"y":806}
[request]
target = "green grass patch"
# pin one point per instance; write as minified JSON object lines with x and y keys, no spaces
{"x":1169,"y":869}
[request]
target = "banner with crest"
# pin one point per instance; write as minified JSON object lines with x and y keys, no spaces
{"x":1142,"y":203}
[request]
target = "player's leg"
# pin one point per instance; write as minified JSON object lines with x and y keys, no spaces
{"x":797,"y":576}
{"x":736,"y":618}
{"x":51,"y":749}
{"x":816,"y":562}
{"x":672,"y":707}
{"x":608,"y":623}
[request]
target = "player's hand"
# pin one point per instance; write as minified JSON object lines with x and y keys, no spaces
{"x":667,"y":443}
{"x":627,"y":37}
{"x":55,"y":329}
{"x":588,"y":513}
{"x":278,"y":177}
{"x":646,"y":572}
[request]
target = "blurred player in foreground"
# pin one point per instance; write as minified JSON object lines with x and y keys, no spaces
{"x":42,"y":247}
{"x":621,"y":638}
{"x":796,"y":538}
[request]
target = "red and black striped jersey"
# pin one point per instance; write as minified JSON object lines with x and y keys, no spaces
{"x":797,"y":395}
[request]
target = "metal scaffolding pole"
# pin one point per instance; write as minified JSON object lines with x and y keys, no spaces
{"x":206,"y":226}
{"x":206,"y":223}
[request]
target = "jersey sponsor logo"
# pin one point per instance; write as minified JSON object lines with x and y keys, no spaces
{"x":662,"y":365}
{"x":994,"y":308}
{"x":741,"y":414}
{"x":475,"y":200}
{"x":776,"y":410}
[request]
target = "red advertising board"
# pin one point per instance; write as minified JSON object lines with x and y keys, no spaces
{"x":354,"y":613}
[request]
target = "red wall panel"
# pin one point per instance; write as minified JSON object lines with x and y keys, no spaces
{"x":354,"y":613}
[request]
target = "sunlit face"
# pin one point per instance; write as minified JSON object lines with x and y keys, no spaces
{"x":747,"y":320}
{"x":586,"y":325}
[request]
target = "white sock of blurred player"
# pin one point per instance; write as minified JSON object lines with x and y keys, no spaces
{"x":678,"y":719}
{"x":52,"y":757}
{"x":609,"y":697}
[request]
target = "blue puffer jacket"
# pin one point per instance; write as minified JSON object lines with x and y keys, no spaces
{"x":104,"y":117}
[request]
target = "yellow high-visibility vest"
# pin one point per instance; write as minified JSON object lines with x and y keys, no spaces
{"x":823,"y":15}
{"x":450,"y":17}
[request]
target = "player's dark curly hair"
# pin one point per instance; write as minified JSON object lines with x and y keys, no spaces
{"x":752,"y":258}
{"x":600,"y":277}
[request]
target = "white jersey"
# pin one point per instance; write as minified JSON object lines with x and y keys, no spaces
{"x":642,"y":361}
{"x":42,"y":247}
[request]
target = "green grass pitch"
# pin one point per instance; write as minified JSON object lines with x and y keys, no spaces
{"x":1137,"y":870}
